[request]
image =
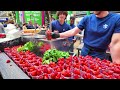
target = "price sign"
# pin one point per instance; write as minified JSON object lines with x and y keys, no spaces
{"x":36,"y":15}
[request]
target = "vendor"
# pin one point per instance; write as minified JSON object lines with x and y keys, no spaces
{"x":100,"y":29}
{"x":60,"y":25}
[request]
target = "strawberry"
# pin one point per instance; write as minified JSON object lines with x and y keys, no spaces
{"x":52,"y":75}
{"x":58,"y":69}
{"x":45,"y":70}
{"x":46,"y":76}
{"x":49,"y":71}
{"x":68,"y":74}
{"x":76,"y":76}
{"x":40,"y":77}
{"x":36,"y":63}
{"x":39,"y":72}
{"x":88,"y":76}
{"x":77,"y":71}
{"x":62,"y":77}
{"x":58,"y":76}
{"x":99,"y":76}
{"x":8,"y":61}
{"x":34,"y":73}
{"x":63,"y":73}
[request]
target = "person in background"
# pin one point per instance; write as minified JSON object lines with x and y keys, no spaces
{"x":24,"y":26}
{"x":102,"y":28}
{"x":30,"y":25}
{"x":52,"y":18}
{"x":1,"y":28}
{"x":36,"y":25}
{"x":60,"y":26}
{"x":72,"y":21}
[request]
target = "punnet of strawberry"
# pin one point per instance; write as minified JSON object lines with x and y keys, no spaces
{"x":63,"y":68}
{"x":48,"y":34}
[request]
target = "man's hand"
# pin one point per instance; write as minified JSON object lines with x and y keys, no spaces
{"x":52,"y":35}
{"x":55,"y":35}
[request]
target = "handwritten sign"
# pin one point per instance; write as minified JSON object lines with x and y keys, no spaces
{"x":36,"y":15}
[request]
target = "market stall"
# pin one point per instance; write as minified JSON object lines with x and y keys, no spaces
{"x":33,"y":56}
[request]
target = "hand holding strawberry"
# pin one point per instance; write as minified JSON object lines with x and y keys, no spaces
{"x":50,"y":35}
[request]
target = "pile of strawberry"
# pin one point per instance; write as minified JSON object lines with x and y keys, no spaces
{"x":44,"y":48}
{"x":70,"y":68}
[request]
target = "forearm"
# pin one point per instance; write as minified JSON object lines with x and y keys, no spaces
{"x":79,"y":35}
{"x":70,"y":33}
{"x":115,"y":52}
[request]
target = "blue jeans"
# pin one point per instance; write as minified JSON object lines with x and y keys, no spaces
{"x":86,"y":51}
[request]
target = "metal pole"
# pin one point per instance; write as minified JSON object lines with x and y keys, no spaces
{"x":17,"y":16}
{"x":49,"y":13}
{"x":43,"y":17}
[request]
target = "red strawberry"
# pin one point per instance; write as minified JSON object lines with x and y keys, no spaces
{"x":99,"y":76}
{"x":39,"y":72}
{"x":88,"y":76}
{"x":40,"y":77}
{"x":58,"y":69}
{"x":76,"y":76}
{"x":8,"y":61}
{"x":63,"y":73}
{"x":68,"y":74}
{"x":77,"y":71}
{"x":52,"y":75}
{"x":58,"y":76}
{"x":49,"y":71}
{"x":34,"y":73}
{"x":46,"y":76}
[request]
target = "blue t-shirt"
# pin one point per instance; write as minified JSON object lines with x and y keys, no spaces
{"x":98,"y":31}
{"x":30,"y":26}
{"x":72,"y":25}
{"x":61,"y":28}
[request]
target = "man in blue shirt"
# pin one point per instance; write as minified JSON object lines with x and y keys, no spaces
{"x":30,"y":25}
{"x":72,"y":21}
{"x":101,"y":29}
{"x":60,"y":25}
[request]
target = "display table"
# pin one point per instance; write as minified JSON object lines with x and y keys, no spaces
{"x":10,"y":70}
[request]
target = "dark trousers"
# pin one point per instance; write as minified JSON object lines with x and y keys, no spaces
{"x":94,"y":53}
